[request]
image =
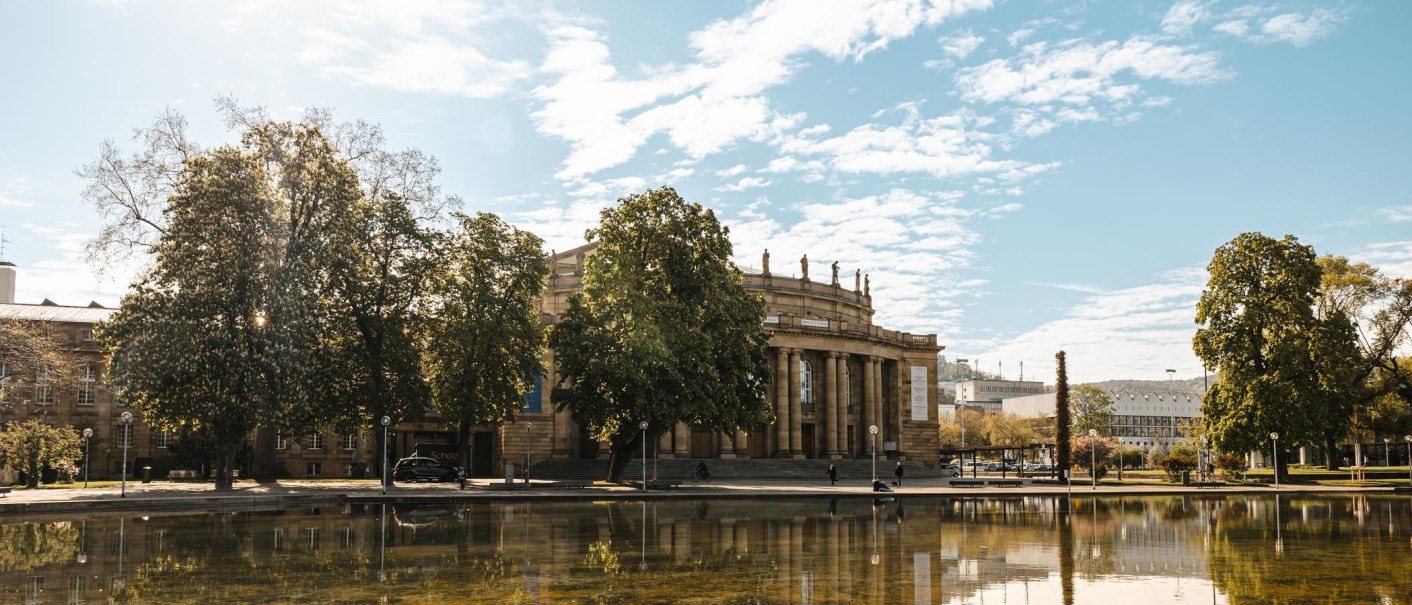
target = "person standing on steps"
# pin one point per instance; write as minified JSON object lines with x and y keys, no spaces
{"x":833,"y":475}
{"x":897,"y":472}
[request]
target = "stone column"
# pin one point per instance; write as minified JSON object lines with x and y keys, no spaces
{"x":866,"y":415}
{"x":782,"y":402}
{"x":830,"y":408}
{"x":841,"y":427}
{"x":880,"y":402}
{"x":682,"y":437}
{"x":795,"y":405}
{"x":742,"y":450}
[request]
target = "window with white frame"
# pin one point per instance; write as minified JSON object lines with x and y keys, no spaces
{"x":124,"y":435}
{"x":281,"y":443}
{"x":313,"y":469}
{"x":161,"y":439}
{"x":315,"y":442}
{"x":88,"y":335}
{"x":43,"y":390}
{"x":350,"y":441}
{"x":806,"y":385}
{"x":85,"y":385}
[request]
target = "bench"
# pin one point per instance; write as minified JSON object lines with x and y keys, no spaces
{"x":968,"y":482}
{"x":1007,"y":482}
{"x":182,"y":475}
{"x":5,"y":491}
{"x":572,"y":484}
{"x":1210,"y":484}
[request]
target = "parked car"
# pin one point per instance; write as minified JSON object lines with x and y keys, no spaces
{"x":950,"y":470}
{"x":418,"y":468}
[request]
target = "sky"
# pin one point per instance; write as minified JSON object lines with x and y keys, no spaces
{"x":1017,"y":177}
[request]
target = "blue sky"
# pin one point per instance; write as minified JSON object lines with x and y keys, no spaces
{"x":1018,"y":177}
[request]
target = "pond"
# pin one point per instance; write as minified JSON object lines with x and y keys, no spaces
{"x":1187,"y":549}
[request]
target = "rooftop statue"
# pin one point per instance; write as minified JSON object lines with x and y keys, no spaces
{"x":835,"y":273}
{"x":765,"y":262}
{"x":804,"y":266}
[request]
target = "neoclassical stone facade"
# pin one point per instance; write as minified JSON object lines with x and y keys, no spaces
{"x":835,"y":374}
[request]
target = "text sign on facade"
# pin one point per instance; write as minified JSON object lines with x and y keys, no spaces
{"x":773,"y":319}
{"x":919,"y":392}
{"x":814,"y":323}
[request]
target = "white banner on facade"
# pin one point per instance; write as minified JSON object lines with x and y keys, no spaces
{"x":919,"y":392}
{"x":772,"y":319}
{"x":814,"y":323}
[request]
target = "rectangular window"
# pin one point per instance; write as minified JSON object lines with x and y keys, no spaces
{"x":350,"y":442}
{"x":161,"y":439}
{"x":313,"y":469}
{"x":315,"y":442}
{"x":85,"y":384}
{"x":124,"y":435}
{"x":281,"y":442}
{"x":88,"y":335}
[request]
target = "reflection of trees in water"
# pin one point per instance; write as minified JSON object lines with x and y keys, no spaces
{"x":25,"y":546}
{"x":1329,"y":555}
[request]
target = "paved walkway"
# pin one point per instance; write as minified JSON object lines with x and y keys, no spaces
{"x":164,"y":495}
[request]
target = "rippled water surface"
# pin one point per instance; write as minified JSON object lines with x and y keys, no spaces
{"x":1145,"y":551}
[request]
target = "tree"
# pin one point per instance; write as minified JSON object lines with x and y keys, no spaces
{"x":489,"y":338}
{"x":34,"y":365}
{"x":663,"y":331}
{"x":32,"y":446}
{"x":1009,"y":429}
{"x":1092,"y":408}
{"x":1061,"y":416}
{"x":1086,"y":450}
{"x":1127,"y":456}
{"x":964,"y":422}
{"x":1258,"y":330}
{"x":188,"y":344}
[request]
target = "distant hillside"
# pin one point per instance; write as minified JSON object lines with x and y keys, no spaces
{"x":1190,"y":385}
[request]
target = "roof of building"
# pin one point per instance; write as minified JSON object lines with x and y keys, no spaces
{"x":56,"y":313}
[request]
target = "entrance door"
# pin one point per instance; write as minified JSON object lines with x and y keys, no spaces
{"x":759,"y":444}
{"x":703,"y":443}
{"x":482,"y":453}
{"x":588,"y":446}
{"x":806,"y":435}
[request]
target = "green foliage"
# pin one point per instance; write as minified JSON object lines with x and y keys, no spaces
{"x":27,"y":546}
{"x":1062,"y":421}
{"x":1181,"y":458}
{"x":489,"y":339}
{"x":1258,"y":329}
{"x":1128,"y":456}
{"x":1230,"y":466}
{"x":31,"y":446}
{"x":32,"y":361}
{"x":1092,"y":408}
{"x":1085,"y":449}
{"x":664,"y":331}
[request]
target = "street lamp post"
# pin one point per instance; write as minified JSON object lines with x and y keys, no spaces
{"x":873,"y":447}
{"x":1093,"y":457}
{"x":1387,"y":451}
{"x":87,"y":460}
{"x":1408,"y":439}
{"x":386,"y":421}
{"x":127,"y":442}
{"x":1275,"y":451}
{"x":528,"y":425}
{"x":643,"y":425}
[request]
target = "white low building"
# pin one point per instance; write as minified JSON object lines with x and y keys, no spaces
{"x":1139,"y":418}
{"x":987,"y":395}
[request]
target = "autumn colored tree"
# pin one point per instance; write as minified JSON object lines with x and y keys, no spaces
{"x":663,"y":331}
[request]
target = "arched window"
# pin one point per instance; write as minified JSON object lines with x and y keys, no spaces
{"x":806,"y":385}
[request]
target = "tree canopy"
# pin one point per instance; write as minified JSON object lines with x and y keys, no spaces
{"x":1091,"y":408}
{"x":663,"y":331}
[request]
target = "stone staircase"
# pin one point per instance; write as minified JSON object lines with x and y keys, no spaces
{"x":767,"y":469}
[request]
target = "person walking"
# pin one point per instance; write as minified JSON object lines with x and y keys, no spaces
{"x":833,"y":475}
{"x":461,"y":477}
{"x":897,"y":472}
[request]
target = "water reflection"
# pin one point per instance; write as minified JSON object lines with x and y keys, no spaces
{"x":1290,"y":549}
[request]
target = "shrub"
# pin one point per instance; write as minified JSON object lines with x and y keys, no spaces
{"x":1182,"y":458}
{"x":1230,"y":466}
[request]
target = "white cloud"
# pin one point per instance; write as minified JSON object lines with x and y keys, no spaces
{"x":1076,"y":72}
{"x":732,"y":171}
{"x":1393,"y":258}
{"x":749,"y":182}
{"x":66,"y":277}
{"x":1397,"y":214}
{"x":420,"y":47}
{"x":560,"y":225}
{"x":12,"y":193}
{"x":718,"y":100}
{"x":1184,"y":15}
{"x":1135,"y":332}
{"x":961,"y":45}
{"x":1253,"y":24}
{"x":1019,"y":35}
{"x":608,"y":187}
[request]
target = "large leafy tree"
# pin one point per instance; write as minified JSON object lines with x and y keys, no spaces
{"x":489,"y":339}
{"x":1092,"y":408}
{"x":663,"y":331}
{"x":32,"y":362}
{"x":32,"y":446}
{"x":188,"y":344}
{"x":1259,"y":329}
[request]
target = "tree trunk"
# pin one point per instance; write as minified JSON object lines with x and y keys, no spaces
{"x":463,"y":445}
{"x":622,"y":449}
{"x":1331,"y":453}
{"x":264,"y":455}
{"x":224,"y":458}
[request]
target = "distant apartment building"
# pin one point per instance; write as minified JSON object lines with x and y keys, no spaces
{"x":986,"y":395}
{"x":1144,"y":419}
